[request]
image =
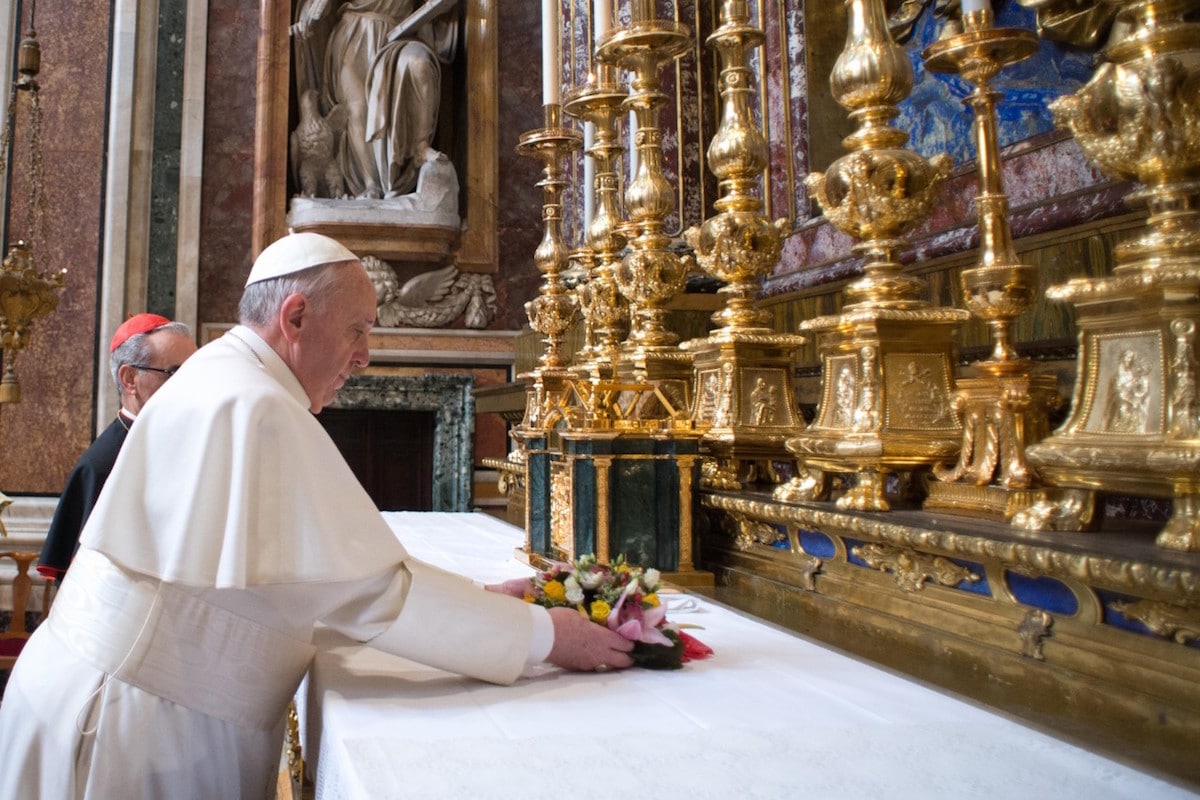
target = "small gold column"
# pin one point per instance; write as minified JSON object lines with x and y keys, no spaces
{"x":744,"y":394}
{"x":1003,"y":405}
{"x":1134,"y":426}
{"x":887,"y":362}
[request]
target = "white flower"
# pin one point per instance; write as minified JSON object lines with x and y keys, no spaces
{"x":651,"y":579}
{"x":590,"y":579}
{"x":574,"y":590}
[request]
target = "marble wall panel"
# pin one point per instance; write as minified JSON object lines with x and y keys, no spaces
{"x":519,"y":199}
{"x":228,"y":183}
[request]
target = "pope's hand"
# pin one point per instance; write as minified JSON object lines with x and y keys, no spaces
{"x":582,"y":645}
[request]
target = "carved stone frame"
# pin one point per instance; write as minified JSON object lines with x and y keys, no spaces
{"x":478,"y":249}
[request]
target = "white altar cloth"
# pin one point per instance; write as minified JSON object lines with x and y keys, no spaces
{"x":770,"y":715}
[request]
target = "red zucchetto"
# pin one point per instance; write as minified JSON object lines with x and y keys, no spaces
{"x":138,"y":323}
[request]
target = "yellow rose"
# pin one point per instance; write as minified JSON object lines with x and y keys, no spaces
{"x":651,"y":600}
{"x":555,"y":590}
{"x":600,"y":610}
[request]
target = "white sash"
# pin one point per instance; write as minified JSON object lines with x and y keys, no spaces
{"x":172,"y":644}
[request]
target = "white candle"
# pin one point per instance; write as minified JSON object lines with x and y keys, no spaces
{"x":589,"y":175}
{"x":551,"y":55}
{"x":971,"y":6}
{"x":632,"y":154}
{"x":601,"y":19}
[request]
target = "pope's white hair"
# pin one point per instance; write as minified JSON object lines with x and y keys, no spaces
{"x":262,"y":300}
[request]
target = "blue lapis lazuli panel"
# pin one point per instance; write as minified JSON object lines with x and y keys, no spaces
{"x":816,"y":544}
{"x":936,"y":119}
{"x":1042,"y":592}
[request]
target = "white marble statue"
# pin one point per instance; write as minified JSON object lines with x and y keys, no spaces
{"x":380,"y":63}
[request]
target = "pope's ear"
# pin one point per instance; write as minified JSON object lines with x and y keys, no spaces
{"x":291,"y":314}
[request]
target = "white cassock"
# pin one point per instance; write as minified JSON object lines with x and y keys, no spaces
{"x":229,"y":527}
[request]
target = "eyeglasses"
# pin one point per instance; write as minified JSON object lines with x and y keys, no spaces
{"x":169,"y":371}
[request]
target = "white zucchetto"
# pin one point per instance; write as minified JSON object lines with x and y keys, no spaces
{"x":296,"y":252}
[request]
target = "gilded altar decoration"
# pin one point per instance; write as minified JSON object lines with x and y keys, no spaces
{"x":887,"y":360}
{"x":1033,"y":630}
{"x":1133,"y":422}
{"x":912,"y":569}
{"x":1180,"y":624}
{"x":743,"y":368}
{"x":25,"y":292}
{"x":650,"y":274}
{"x":1003,"y":406}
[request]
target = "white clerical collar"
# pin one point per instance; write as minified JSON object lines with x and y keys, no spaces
{"x":246,"y":339}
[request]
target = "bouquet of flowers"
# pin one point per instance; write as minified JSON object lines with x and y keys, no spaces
{"x":625,"y":599}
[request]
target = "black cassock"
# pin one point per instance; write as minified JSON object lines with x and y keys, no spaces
{"x":78,"y":498}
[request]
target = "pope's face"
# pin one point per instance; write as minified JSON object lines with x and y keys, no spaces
{"x":333,"y":337}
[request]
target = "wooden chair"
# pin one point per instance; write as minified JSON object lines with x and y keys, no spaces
{"x":13,"y":639}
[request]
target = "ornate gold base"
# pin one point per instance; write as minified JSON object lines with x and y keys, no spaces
{"x":1135,"y":419}
{"x":987,"y":502}
{"x":667,"y":369}
{"x":1003,"y":411}
{"x":745,"y":400}
{"x":886,"y":377}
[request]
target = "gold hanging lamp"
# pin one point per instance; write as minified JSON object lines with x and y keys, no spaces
{"x":25,"y":294}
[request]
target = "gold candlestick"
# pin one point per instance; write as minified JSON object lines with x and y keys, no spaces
{"x":1134,"y":425}
{"x":553,"y":310}
{"x":1003,"y":405}
{"x":887,"y":360}
{"x":743,"y":370}
{"x":650,"y":275}
{"x":599,"y":102}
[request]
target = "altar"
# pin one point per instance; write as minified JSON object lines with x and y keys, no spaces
{"x":769,"y":715}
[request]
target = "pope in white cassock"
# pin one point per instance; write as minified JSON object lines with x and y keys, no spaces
{"x":229,"y":527}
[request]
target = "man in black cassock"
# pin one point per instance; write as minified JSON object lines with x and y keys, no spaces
{"x":144,"y":352}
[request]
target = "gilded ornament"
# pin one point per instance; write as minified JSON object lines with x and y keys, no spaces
{"x":1132,"y":427}
{"x":913,"y":569}
{"x":886,"y":359}
{"x":1002,"y":404}
{"x":1180,"y":624}
{"x":1033,"y":630}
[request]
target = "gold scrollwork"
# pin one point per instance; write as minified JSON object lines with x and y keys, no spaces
{"x":912,"y":569}
{"x":751,"y":532}
{"x":1180,"y":624}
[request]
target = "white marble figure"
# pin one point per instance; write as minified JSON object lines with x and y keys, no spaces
{"x":381,"y":62}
